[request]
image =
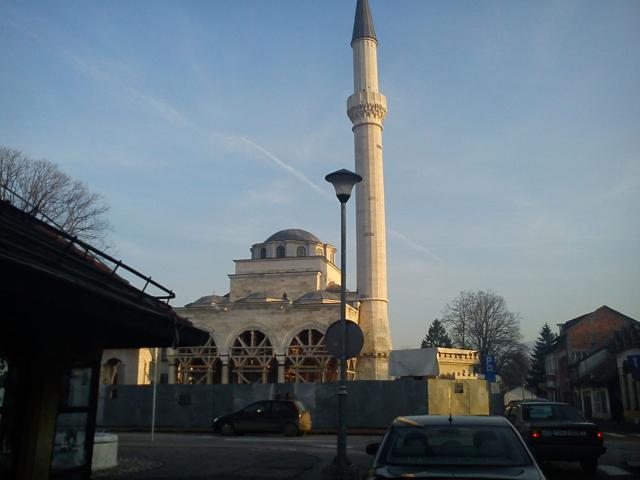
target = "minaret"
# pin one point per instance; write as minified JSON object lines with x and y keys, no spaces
{"x":367,"y":108}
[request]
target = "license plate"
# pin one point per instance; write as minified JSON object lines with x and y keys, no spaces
{"x":569,"y":433}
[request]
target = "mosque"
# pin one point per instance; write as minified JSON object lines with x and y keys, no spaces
{"x":270,"y":327}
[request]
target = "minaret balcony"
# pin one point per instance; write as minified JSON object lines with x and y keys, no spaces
{"x":367,"y":107}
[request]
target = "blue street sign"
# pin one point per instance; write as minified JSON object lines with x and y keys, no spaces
{"x":489,"y":367}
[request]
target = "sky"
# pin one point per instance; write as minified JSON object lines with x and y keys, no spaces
{"x":511,"y":146}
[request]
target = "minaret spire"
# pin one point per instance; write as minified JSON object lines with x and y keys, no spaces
{"x":363,"y":24}
{"x":367,"y":108}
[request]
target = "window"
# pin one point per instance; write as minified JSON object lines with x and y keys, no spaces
{"x":74,"y":432}
{"x":263,"y":253}
{"x":601,"y":403}
{"x":319,"y":251}
{"x":481,"y":445}
{"x":280,"y":252}
{"x":552,"y":412}
{"x":301,"y":252}
{"x":7,"y":429}
{"x":258,"y":407}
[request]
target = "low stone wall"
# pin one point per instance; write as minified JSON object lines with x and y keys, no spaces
{"x":370,"y":404}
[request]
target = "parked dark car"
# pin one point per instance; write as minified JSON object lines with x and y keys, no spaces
{"x":430,"y":446}
{"x":558,"y":431}
{"x":289,"y":417}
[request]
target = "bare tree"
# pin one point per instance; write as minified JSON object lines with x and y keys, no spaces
{"x":481,"y":321}
{"x":39,"y":186}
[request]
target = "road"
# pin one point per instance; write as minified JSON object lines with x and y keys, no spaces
{"x":200,"y":457}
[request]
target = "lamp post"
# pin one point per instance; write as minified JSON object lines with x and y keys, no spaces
{"x":343,"y":181}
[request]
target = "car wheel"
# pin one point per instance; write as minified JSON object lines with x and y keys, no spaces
{"x":290,"y":430}
{"x":227,"y":429}
{"x":589,"y":466}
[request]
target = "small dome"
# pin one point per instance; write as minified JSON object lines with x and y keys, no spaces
{"x":293,"y":234}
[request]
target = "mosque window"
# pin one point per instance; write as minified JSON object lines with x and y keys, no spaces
{"x":197,"y":365}
{"x":280,"y":252}
{"x":252,"y":358}
{"x":319,"y":251}
{"x":301,"y":252}
{"x":263,"y":253}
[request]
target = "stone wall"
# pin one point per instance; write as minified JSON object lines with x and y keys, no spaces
{"x":292,"y":284}
{"x":370,"y":404}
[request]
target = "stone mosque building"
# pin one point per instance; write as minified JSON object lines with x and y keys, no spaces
{"x":270,"y":326}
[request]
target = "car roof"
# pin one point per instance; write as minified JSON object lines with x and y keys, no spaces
{"x":460,"y":420}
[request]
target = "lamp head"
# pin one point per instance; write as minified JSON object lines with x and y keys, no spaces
{"x":343,"y":181}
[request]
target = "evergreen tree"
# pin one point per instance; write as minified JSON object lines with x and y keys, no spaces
{"x":537,"y":372}
{"x":436,"y":336}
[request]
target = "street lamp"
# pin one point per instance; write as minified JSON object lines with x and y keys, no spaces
{"x":343,"y":181}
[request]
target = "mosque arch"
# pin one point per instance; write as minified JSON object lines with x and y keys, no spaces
{"x":252,"y":358}
{"x":280,"y":251}
{"x":263,"y":252}
{"x":301,"y":251}
{"x":307,"y":358}
{"x":197,"y":365}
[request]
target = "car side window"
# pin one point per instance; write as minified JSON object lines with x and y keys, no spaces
{"x":281,"y":407}
{"x":258,"y":407}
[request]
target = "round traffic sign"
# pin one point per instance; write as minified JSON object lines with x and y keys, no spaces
{"x":333,"y":339}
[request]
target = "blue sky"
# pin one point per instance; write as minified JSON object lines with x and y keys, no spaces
{"x":512,"y":145}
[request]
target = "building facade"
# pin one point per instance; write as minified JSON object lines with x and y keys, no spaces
{"x":270,"y":327}
{"x":581,"y":365}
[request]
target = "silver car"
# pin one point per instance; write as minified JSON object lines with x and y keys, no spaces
{"x":430,"y":446}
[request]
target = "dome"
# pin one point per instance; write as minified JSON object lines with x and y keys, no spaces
{"x":293,"y":234}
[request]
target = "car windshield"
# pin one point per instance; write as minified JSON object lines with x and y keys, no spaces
{"x":551,"y":412}
{"x":454,"y":445}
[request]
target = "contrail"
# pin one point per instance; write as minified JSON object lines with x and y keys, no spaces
{"x":285,"y":166}
{"x":414,"y":245}
{"x":172,"y":115}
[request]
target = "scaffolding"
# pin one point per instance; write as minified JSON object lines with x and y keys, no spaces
{"x":252,"y":358}
{"x":308,"y":360}
{"x":196,"y":365}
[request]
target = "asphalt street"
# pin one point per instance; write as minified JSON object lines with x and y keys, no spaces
{"x":209,"y":456}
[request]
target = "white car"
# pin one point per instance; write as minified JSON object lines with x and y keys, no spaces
{"x":430,"y":446}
